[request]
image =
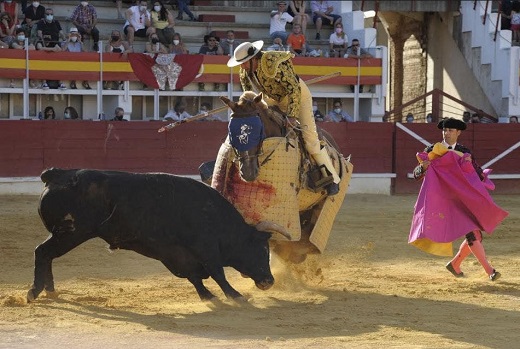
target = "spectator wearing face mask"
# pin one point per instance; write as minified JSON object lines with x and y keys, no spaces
{"x":230,"y":44}
{"x":163,"y":22}
{"x":50,"y":35}
{"x":138,"y":22}
{"x":19,"y":44}
{"x":154,"y":45}
{"x":75,"y":44}
{"x":338,"y":114}
{"x":119,"y":115}
{"x":32,"y":15}
{"x":70,"y":113}
{"x":119,"y":46}
{"x":178,"y":46}
{"x":19,"y":41}
{"x":84,"y":17}
{"x":338,"y":41}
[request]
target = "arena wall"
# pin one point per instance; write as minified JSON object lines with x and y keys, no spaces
{"x":383,"y":154}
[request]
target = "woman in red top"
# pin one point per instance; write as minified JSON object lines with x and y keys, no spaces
{"x":7,"y":28}
{"x":10,"y":7}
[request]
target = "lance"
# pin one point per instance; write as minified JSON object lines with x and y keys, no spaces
{"x":224,"y":108}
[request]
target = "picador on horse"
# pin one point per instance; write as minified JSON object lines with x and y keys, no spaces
{"x":273,"y":164}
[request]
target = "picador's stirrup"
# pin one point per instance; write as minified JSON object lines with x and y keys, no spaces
{"x":323,"y":159}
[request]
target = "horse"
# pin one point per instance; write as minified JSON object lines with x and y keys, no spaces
{"x":267,"y":175}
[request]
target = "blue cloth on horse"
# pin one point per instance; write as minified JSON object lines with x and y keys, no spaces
{"x":245,"y":132}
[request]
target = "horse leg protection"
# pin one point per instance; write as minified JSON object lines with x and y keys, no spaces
{"x":323,"y":158}
{"x":464,"y":251}
{"x":475,"y":244}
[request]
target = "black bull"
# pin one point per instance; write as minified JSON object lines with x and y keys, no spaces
{"x":185,"y":224}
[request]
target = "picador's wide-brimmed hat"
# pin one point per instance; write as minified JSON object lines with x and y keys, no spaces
{"x":452,"y":123}
{"x":244,"y":52}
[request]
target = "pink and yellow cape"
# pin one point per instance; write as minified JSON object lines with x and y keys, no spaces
{"x":452,"y":202}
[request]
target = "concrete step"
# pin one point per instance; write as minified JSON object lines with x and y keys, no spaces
{"x":241,"y":35}
{"x":216,"y":18}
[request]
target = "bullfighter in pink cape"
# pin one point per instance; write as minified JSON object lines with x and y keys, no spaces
{"x":453,"y":201}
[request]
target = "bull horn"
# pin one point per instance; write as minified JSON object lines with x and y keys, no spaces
{"x":272,"y":227}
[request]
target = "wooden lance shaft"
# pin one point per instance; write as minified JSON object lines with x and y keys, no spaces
{"x":224,"y":108}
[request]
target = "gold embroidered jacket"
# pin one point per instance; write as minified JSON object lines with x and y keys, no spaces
{"x":276,"y":78}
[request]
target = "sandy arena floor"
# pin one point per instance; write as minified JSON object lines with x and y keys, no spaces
{"x":370,"y":289}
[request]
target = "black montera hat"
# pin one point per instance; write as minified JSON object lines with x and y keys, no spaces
{"x":452,"y":123}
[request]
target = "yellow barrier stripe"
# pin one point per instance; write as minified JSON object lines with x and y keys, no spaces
{"x":77,"y":66}
{"x":306,"y":70}
{"x":10,"y":63}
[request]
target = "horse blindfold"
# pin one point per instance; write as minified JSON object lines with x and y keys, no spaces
{"x":246,"y":133}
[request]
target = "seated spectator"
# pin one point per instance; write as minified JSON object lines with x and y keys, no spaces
{"x":163,"y":22}
{"x":513,"y":119}
{"x":322,"y":14}
{"x":116,"y":45}
{"x":7,"y":28}
{"x":279,"y":18}
{"x":356,"y":51}
{"x":75,"y":44}
{"x":19,"y":41}
{"x":10,"y":7}
{"x":177,"y":46}
{"x":49,"y":30}
{"x":338,"y":42}
{"x":276,"y":46}
{"x":178,"y":113}
{"x":230,"y":44}
{"x":32,"y":15}
{"x":337,"y":114}
{"x":138,"y":22}
{"x":318,"y":116}
{"x":119,"y":115}
{"x":84,"y":17}
{"x":19,"y":44}
{"x":410,"y":118}
{"x":154,"y":45}
{"x":49,"y":34}
{"x":49,"y":113}
{"x":429,"y":118}
{"x":297,"y":9}
{"x":475,"y":118}
{"x":183,"y":7}
{"x":296,"y":41}
{"x":211,"y":46}
{"x":70,"y":113}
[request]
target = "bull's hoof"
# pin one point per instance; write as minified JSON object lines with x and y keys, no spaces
{"x":30,"y":296}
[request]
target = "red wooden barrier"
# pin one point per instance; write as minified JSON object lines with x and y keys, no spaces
{"x":27,"y":147}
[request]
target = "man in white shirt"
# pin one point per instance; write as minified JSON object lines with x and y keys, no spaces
{"x":322,"y":13}
{"x":279,"y":19}
{"x":138,"y":22}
